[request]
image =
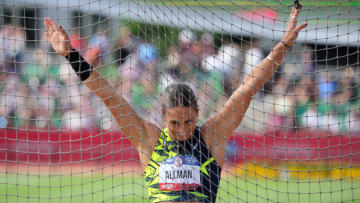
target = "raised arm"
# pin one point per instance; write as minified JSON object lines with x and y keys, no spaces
{"x":222,"y":125}
{"x":133,"y":127}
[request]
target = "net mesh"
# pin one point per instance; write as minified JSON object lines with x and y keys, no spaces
{"x":298,"y":141}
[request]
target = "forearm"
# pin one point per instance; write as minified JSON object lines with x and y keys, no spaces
{"x":81,"y":67}
{"x":91,"y":78}
{"x":126,"y":117}
{"x":264,"y":70}
{"x":239,"y":101}
{"x":107,"y":93}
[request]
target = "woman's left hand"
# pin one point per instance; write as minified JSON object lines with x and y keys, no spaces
{"x":292,"y":31}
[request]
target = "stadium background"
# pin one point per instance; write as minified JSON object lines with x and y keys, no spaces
{"x":61,"y":144}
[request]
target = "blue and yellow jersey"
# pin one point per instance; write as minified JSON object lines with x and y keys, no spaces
{"x":182,"y":172}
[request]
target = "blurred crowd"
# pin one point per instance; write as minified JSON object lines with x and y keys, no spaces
{"x":39,"y":90}
{"x":325,"y":101}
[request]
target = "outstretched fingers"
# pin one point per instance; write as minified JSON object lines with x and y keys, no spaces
{"x":48,"y":26}
{"x":51,"y":24}
{"x":293,"y":18}
{"x":300,"y":27}
{"x":57,"y":36}
{"x":61,"y":30}
{"x":292,"y":31}
{"x":52,"y":27}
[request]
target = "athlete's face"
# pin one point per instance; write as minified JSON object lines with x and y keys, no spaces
{"x":181,"y":122}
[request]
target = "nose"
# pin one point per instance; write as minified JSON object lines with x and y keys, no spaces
{"x":181,"y":129}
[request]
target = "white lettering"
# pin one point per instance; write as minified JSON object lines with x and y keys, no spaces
{"x":178,"y":173}
{"x":175,"y":174}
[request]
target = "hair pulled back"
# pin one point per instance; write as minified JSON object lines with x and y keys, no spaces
{"x":178,"y":95}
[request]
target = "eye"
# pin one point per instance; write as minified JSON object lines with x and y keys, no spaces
{"x":174,"y":122}
{"x":188,"y":122}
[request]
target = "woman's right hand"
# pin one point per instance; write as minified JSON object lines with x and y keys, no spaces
{"x":57,"y":37}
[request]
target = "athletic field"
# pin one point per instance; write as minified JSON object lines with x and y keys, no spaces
{"x":129,"y":188}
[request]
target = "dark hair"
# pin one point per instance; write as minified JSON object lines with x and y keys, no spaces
{"x":178,"y":95}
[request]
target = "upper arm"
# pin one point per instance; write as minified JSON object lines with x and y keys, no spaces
{"x":217,"y":131}
{"x":133,"y":127}
{"x":220,"y":127}
{"x":223,"y":124}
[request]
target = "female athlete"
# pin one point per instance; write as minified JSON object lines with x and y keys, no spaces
{"x":183,"y":161}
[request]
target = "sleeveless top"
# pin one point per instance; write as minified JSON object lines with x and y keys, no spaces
{"x":182,"y":171}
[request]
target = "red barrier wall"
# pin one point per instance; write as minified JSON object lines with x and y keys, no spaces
{"x":64,"y":147}
{"x":298,"y":146}
{"x":17,"y":146}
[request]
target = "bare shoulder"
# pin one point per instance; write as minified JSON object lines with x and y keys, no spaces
{"x":214,"y":139}
{"x":146,"y":147}
{"x":213,"y":133}
{"x":153,"y":134}
{"x":206,"y":133}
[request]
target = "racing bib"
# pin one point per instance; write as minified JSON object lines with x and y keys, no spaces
{"x":179,"y":173}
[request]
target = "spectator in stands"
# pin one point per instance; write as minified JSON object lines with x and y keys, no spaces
{"x":187,"y":41}
{"x":335,"y":100}
{"x":186,"y":37}
{"x":77,"y":41}
{"x":310,"y":119}
{"x":308,"y":60}
{"x":175,"y":70}
{"x":304,"y":101}
{"x":327,"y":87}
{"x":98,"y":48}
{"x":147,"y":88}
{"x":207,"y":45}
{"x":227,"y":62}
{"x":130,"y":73}
{"x":53,"y":86}
{"x":353,"y":120}
{"x":35,"y":74}
{"x":23,"y":117}
{"x":347,"y":82}
{"x":252,"y":57}
{"x":8,"y":98}
{"x":231,"y":66}
{"x":211,"y":95}
{"x":201,"y":49}
{"x":12,"y":43}
{"x":342,"y":99}
{"x":145,"y":59}
{"x":19,"y":47}
{"x":170,"y":68}
{"x":3,"y":76}
{"x":69,"y":95}
{"x":284,"y":103}
{"x":72,"y":119}
{"x":5,"y":31}
{"x":78,"y":113}
{"x":342,"y":108}
{"x":45,"y":106}
{"x":145,"y":96}
{"x":125,"y":45}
